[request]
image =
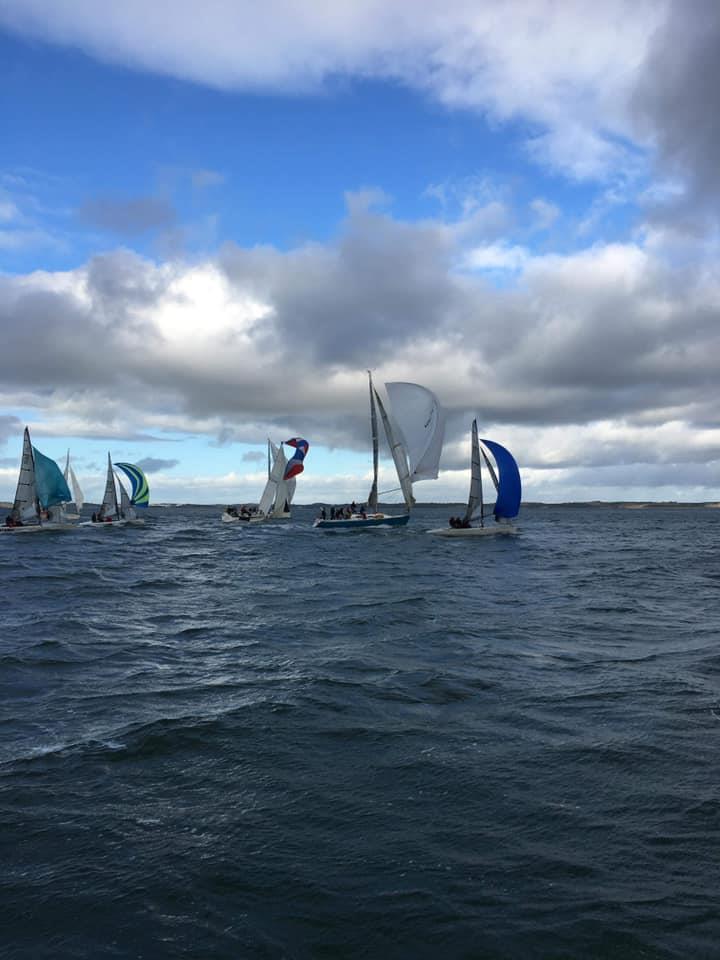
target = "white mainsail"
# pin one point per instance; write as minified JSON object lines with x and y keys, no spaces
{"x":274,"y":496}
{"x":109,"y":506}
{"x":421,"y":424}
{"x":398,"y":454}
{"x":475,"y":501}
{"x":25,"y":505}
{"x":373,"y":495}
{"x":72,"y":482}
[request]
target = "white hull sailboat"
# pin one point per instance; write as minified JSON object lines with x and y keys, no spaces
{"x":415,"y":442}
{"x":122,"y":511}
{"x":40,"y":495}
{"x":279,"y":489}
{"x":506,"y":480}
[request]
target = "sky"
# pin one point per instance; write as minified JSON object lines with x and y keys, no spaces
{"x":212,"y":225}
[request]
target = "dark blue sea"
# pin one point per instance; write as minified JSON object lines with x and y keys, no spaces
{"x":222,"y":742}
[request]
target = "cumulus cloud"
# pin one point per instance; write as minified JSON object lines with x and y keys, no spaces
{"x":604,"y":356}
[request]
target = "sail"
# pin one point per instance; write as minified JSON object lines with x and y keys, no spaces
{"x":398,"y":454}
{"x":291,"y":484}
{"x":109,"y":507}
{"x":509,"y":492}
{"x":475,"y":502}
{"x":295,"y":463}
{"x":125,"y":505}
{"x":373,"y":495}
{"x":72,"y":482}
{"x":421,"y":425}
{"x":276,"y":487}
{"x":49,"y":481}
{"x":138,"y":482}
{"x":281,"y":487}
{"x":25,"y":503}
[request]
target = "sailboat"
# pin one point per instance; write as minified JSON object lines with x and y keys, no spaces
{"x":40,"y":495}
{"x":280,"y":486}
{"x":77,"y":495}
{"x":415,"y":437}
{"x":506,"y":480}
{"x":119,"y":512}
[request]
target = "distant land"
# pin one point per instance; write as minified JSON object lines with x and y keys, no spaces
{"x":617,"y":504}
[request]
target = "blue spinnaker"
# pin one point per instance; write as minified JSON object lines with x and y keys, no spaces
{"x":49,"y":481}
{"x":140,"y":490}
{"x":509,"y":494}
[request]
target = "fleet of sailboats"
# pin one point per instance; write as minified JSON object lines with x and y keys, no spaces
{"x":413,"y":424}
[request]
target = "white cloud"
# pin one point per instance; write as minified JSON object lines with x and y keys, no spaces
{"x":567,"y":68}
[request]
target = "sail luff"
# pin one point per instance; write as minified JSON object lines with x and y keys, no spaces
{"x":373,"y":495}
{"x":398,"y":454}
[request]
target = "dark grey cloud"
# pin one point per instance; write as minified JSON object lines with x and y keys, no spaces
{"x":677,"y":104}
{"x":155,"y":464}
{"x":130,"y":216}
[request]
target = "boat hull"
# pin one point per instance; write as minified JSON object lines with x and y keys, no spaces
{"x":360,"y":523}
{"x":41,"y":528}
{"x":228,"y":518}
{"x":497,"y":530}
{"x":97,"y":524}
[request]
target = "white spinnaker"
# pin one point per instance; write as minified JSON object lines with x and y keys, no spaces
{"x":421,"y":423}
{"x":398,"y":454}
{"x":475,"y":498}
{"x":25,"y":503}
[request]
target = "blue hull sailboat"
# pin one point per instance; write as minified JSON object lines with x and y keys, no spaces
{"x":506,"y":480}
{"x":415,"y":440}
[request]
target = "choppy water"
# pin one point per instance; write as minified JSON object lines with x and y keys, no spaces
{"x":272,"y":742}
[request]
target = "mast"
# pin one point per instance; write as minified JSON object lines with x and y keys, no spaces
{"x":373,"y":495}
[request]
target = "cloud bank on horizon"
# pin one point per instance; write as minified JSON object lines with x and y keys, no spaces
{"x":573,"y":302}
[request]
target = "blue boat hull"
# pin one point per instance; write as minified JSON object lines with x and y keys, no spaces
{"x":360,"y":524}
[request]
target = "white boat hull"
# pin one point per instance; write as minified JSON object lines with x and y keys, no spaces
{"x":496,"y":530}
{"x":41,"y":528}
{"x":136,"y":522}
{"x":358,"y":522}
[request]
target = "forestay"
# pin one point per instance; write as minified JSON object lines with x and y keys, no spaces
{"x":421,"y":425}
